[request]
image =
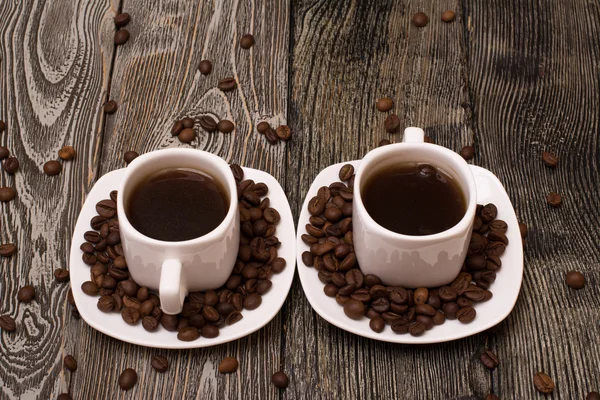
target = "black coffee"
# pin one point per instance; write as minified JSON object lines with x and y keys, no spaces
{"x":414,"y":199}
{"x":177,"y":204}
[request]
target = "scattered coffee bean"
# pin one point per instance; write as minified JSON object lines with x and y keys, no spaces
{"x":271,"y":136}
{"x":492,"y":396}
{"x":121,"y":37}
{"x":283,"y":132}
{"x":4,"y":152}
{"x":448,"y":16}
{"x":247,"y":41}
{"x":523,"y":230}
{"x":66,"y":153}
{"x":122,"y":19}
{"x":228,"y":365}
{"x":467,"y":152}
{"x":52,"y":168}
{"x":7,"y":194}
{"x":187,"y":135}
{"x":26,"y":294}
{"x":160,"y":363}
{"x":575,"y":279}
{"x":8,"y":250}
{"x":70,"y":363}
{"x":7,"y":323}
{"x":2,"y":126}
{"x":489,"y":359}
{"x":61,"y":275}
{"x":543,"y":383}
{"x":110,"y":107}
{"x":11,"y":165}
{"x":392,"y":123}
{"x":64,"y":396}
{"x":225,"y":126}
{"x":187,"y":122}
{"x":385,"y":104}
{"x":127,"y":379}
{"x":208,"y":123}
{"x":262,"y":127}
{"x":554,"y":199}
{"x":177,"y":128}
{"x":227,"y":84}
{"x":593,"y":396}
{"x":384,"y":142}
{"x":420,"y":20}
{"x":205,"y":67}
{"x":280,"y":380}
{"x":354,"y":309}
{"x":550,"y":159}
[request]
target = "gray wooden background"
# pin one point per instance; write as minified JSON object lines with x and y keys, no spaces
{"x":512,"y":77}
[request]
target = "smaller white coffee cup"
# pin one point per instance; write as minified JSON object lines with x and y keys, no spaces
{"x":177,"y":268}
{"x":404,"y":260}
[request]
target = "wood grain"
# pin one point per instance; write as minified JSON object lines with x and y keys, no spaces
{"x":534,"y":87}
{"x":156,"y":82}
{"x":346,"y":55}
{"x":50,"y":92}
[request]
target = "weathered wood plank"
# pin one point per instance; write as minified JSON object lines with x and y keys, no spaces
{"x":535,"y":86}
{"x":55,"y":65}
{"x":346,"y":55}
{"x":155,"y":82}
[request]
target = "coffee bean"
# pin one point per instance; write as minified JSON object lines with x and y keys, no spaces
{"x":70,"y":298}
{"x":488,"y":213}
{"x":523,"y":230}
{"x":227,"y":84}
{"x":7,"y":194}
{"x":228,"y":365}
{"x":316,"y":206}
{"x":52,"y":168}
{"x":61,"y":275}
{"x":149,"y":323}
{"x":417,"y":329}
{"x":208,"y":123}
{"x":448,"y":16}
{"x":421,"y":295}
{"x":160,"y":363}
{"x":593,"y":396}
{"x":354,"y":309}
{"x":4,"y":152}
{"x":205,"y":67}
{"x":283,"y":132}
{"x":169,"y":322}
{"x":420,"y":20}
{"x":495,"y":249}
{"x":554,"y":199}
{"x":225,"y":126}
{"x":575,"y":279}
{"x":122,"y":19}
{"x":110,"y":107}
{"x":467,"y":152}
{"x":425,"y":309}
{"x":384,"y":104}
{"x":233,"y":317}
{"x":280,"y":380}
{"x":210,"y":331}
{"x":187,"y":122}
{"x":106,"y":208}
{"x":492,"y":396}
{"x":26,"y":294}
{"x":247,"y":41}
{"x":543,"y":383}
{"x":177,"y":128}
{"x":70,"y":363}
{"x":187,"y":135}
{"x":7,"y":323}
{"x":129,"y":156}
{"x":131,"y":315}
{"x":466,"y":314}
{"x":346,"y":172}
{"x":489,"y":359}
{"x":450,"y":310}
{"x":439,"y":318}
{"x":8,"y":249}
{"x":106,"y":303}
{"x":550,"y":159}
{"x":66,"y":153}
{"x":392,"y":123}
{"x":252,"y":301}
{"x":271,"y":136}
{"x":88,"y":287}
{"x":64,"y":396}
{"x":262,"y":127}
{"x":127,"y":379}
{"x":11,"y":165}
{"x":263,"y":286}
{"x":377,"y":324}
{"x":121,"y":37}
{"x":146,"y":308}
{"x":384,"y":142}
{"x":2,"y":126}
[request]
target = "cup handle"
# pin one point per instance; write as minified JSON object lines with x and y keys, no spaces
{"x":413,"y":135}
{"x":171,"y":291}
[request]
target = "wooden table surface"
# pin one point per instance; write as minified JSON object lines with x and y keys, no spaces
{"x":512,"y":77}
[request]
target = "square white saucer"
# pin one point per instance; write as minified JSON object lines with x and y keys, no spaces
{"x":505,"y":289}
{"x":113,"y":325}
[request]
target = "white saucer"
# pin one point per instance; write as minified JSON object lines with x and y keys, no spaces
{"x":505,"y":289}
{"x":113,"y":325}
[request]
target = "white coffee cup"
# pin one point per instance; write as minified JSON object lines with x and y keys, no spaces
{"x":177,"y":268}
{"x":404,"y":260}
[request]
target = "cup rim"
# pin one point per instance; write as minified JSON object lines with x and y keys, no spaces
{"x":470,"y":190}
{"x":155,"y":156}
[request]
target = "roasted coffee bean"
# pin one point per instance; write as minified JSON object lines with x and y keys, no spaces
{"x":463,"y":302}
{"x":52,"y":168}
{"x":554,"y":199}
{"x":316,"y":206}
{"x":550,"y":159}
{"x":131,"y":315}
{"x":130,"y":301}
{"x":259,"y":228}
{"x":188,"y":334}
{"x":488,"y":213}
{"x":398,"y":308}
{"x":523,"y":230}
{"x":130,"y":288}
{"x":120,"y":262}
{"x":70,"y":363}
{"x":109,"y":282}
{"x":338,"y":279}
{"x":262,"y":127}
{"x":575,"y":279}
{"x":106,"y":303}
{"x":121,"y":37}
{"x":190,"y":309}
{"x":434,"y":300}
{"x":26,"y":294}
{"x":466,"y":315}
{"x":227,"y":84}
{"x":271,"y":136}
{"x":160,"y":363}
{"x":70,"y":297}
{"x":378,"y":291}
{"x":280,"y":380}
{"x":142,"y":294}
{"x":233,"y":317}
{"x":197,"y":321}
{"x":64,"y":396}
{"x":332,"y":214}
{"x":420,"y":296}
{"x":384,"y":104}
{"x":398,"y":295}
{"x":450,"y":310}
{"x":182,"y":323}
{"x":228,"y":365}
{"x":87,"y":247}
{"x":146,"y":308}
{"x":224,"y":309}
{"x":89,"y":259}
{"x":495,"y":249}
{"x":205,"y":67}
{"x":467,"y":152}
{"x":177,"y":128}
{"x":97,"y":222}
{"x":122,"y":19}
{"x":210,"y":331}
{"x":593,"y":396}
{"x":252,"y":301}
{"x":474,"y":293}
{"x":392,"y":123}
{"x":354,"y":309}
{"x":330,"y":290}
{"x":361,"y":294}
{"x":489,"y":359}
{"x":11,"y":165}
{"x":187,"y":135}
{"x":448,"y":16}
{"x":187,"y":122}
{"x":66,"y":153}
{"x":110,"y":107}
{"x":89,"y":288}
{"x":372,"y":313}
{"x":271,"y":215}
{"x":477,"y":223}
{"x":420,"y":20}
{"x":384,"y":142}
{"x":380,"y":305}
{"x":209,"y":124}
{"x":210,"y":313}
{"x":377,"y":324}
{"x":543,"y":383}
{"x":4,"y":152}
{"x":169,"y":322}
{"x":129,"y":156}
{"x":425,"y":320}
{"x":498,"y":227}
{"x":439,"y":318}
{"x":425,"y":309}
{"x":7,"y":194}
{"x":401,"y":326}
{"x":417,"y":329}
{"x":283,"y":132}
{"x":355,"y":276}
{"x":150,"y":323}
{"x":263,"y":286}
{"x":127,"y":379}
{"x":476,"y":262}
{"x":346,"y":172}
{"x":497,"y":236}
{"x":484,"y":279}
{"x":106,"y":208}
{"x":347,"y":290}
{"x":7,"y":323}
{"x":461,"y":282}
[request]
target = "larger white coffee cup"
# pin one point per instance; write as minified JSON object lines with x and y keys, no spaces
{"x":412,"y":261}
{"x":177,"y":268}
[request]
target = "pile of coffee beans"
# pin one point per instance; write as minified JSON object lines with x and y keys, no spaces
{"x":329,"y":235}
{"x":204,"y":313}
{"x":184,"y":128}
